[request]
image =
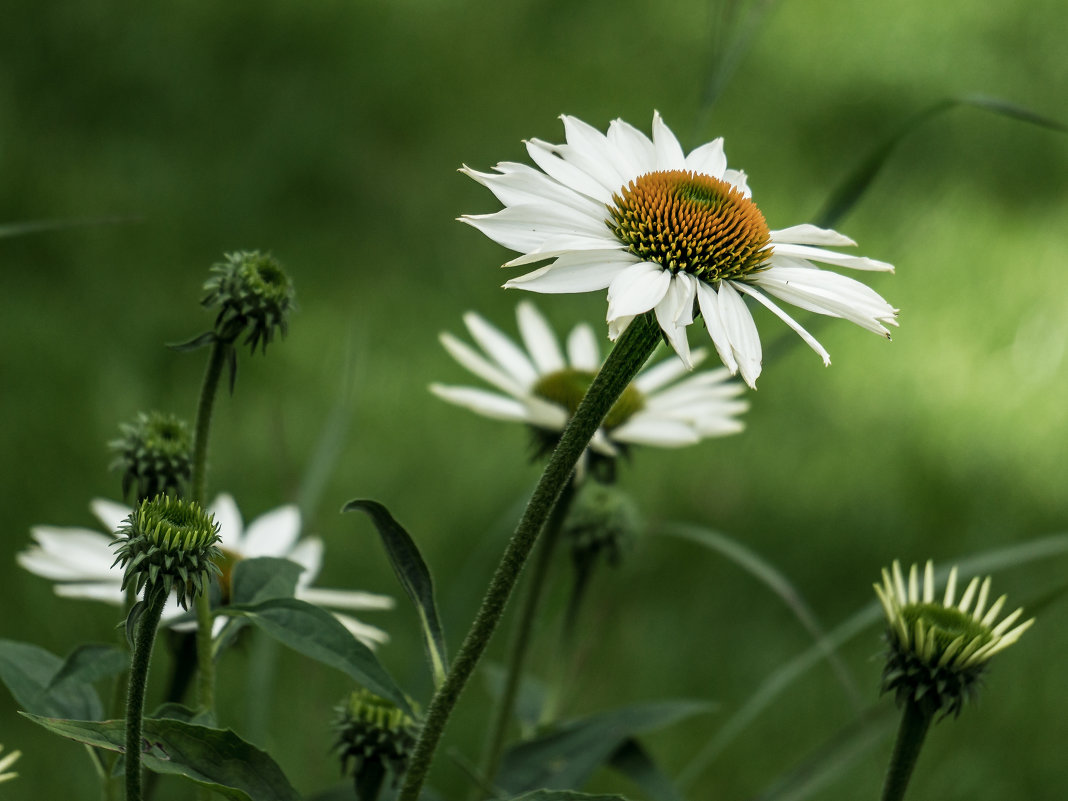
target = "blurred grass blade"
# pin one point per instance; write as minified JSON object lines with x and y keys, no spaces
{"x":852,"y":189}
{"x":775,"y":684}
{"x":736,"y":24}
{"x":833,"y":757}
{"x":773,"y":579}
{"x":633,"y":761}
{"x":414,"y":576}
{"x":39,"y":226}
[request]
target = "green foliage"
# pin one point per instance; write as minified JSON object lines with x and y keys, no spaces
{"x":44,"y":684}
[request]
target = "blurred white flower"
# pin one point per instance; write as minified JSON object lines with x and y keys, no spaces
{"x":79,"y":560}
{"x":542,"y":387}
{"x":6,"y":762}
{"x":673,"y":233}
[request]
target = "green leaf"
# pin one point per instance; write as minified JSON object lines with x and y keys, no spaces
{"x":569,"y":753}
{"x":264,"y":577}
{"x":214,"y":758}
{"x":565,"y":795}
{"x":317,"y":634}
{"x":414,"y":577}
{"x":765,"y":572}
{"x":28,"y":671}
{"x":196,"y":343}
{"x":849,"y":192}
{"x":531,"y":696}
{"x":633,"y":761}
{"x":89,"y":663}
{"x":832,"y":758}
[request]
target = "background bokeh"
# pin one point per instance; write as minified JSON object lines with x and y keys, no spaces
{"x":330,"y":134}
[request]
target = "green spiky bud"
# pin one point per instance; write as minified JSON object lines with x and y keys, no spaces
{"x":939,"y":649}
{"x":170,"y":543}
{"x":374,"y":739}
{"x":254,"y":296}
{"x":602,"y":520}
{"x":154,"y":453}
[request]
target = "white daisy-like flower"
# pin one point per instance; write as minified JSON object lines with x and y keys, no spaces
{"x":541,"y":385}
{"x":80,"y":560}
{"x":6,"y":762}
{"x":668,"y":232}
{"x":939,"y":648}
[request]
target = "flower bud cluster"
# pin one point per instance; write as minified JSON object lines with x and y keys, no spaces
{"x":254,"y":296}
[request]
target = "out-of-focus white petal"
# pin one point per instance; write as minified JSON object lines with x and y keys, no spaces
{"x":539,"y":339}
{"x":231,"y":527}
{"x":272,"y":534}
{"x":582,"y":350}
{"x":482,"y":402}
{"x":111,"y":514}
{"x":345,"y":599}
{"x":499,"y":347}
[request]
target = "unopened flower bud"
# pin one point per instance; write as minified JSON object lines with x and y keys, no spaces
{"x":154,"y":454}
{"x":374,"y":739}
{"x":254,"y":296}
{"x":602,"y":520}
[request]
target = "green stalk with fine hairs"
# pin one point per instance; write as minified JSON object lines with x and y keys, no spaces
{"x":135,"y":700}
{"x":915,"y":720}
{"x":205,"y":665}
{"x":632,"y":350}
{"x":517,"y":652}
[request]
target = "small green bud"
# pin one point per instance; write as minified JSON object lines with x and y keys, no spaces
{"x":374,"y":738}
{"x":938,"y":650}
{"x":254,"y":295}
{"x":170,"y":543}
{"x":154,"y":454}
{"x":602,"y":520}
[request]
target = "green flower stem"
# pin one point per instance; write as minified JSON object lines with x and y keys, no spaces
{"x":915,"y":720}
{"x":626,"y":359}
{"x":205,"y":666}
{"x":520,"y":643}
{"x":135,"y":702}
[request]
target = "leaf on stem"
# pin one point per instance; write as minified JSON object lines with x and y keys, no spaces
{"x":28,"y":672}
{"x":414,"y":577}
{"x":633,"y":761}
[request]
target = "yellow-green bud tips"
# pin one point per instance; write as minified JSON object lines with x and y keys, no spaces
{"x":154,"y":454}
{"x":938,"y":649}
{"x":253,"y":294}
{"x":374,"y":738}
{"x":170,"y":543}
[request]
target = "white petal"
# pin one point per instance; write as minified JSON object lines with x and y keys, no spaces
{"x":308,"y":553}
{"x":482,"y":402}
{"x":672,"y":309}
{"x":829,"y":293}
{"x":810,"y":340}
{"x":528,"y":227}
{"x":807,"y":234}
{"x":669,"y":155}
{"x":617,"y":326}
{"x":650,"y":430}
{"x":633,"y":146}
{"x":590,"y":151}
{"x":539,"y":339}
{"x":587,"y":271}
{"x":480,"y":366}
{"x":582,"y":350}
{"x":345,"y":599}
{"x":501,"y":348}
{"x":739,"y":180}
{"x":741,"y":331}
{"x":68,"y":553}
{"x":226,"y":514}
{"x":272,"y":534}
{"x":637,"y":289}
{"x":111,"y":514}
{"x":109,"y":593}
{"x":368,"y":635}
{"x":709,"y":303}
{"x":663,"y":373}
{"x":565,"y":244}
{"x":546,"y":156}
{"x":523,"y":184}
{"x":708,"y":159}
{"x":831,"y":257}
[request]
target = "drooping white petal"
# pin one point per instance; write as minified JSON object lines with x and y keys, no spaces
{"x":766,"y":302}
{"x":644,"y":429}
{"x":807,"y":234}
{"x":663,"y":373}
{"x":832,"y":257}
{"x":111,"y":514}
{"x":669,"y":155}
{"x":231,"y":527}
{"x":105,"y":592}
{"x":370,"y":636}
{"x":637,"y":289}
{"x":273,"y":533}
{"x":345,"y":599}
{"x":826,"y":292}
{"x":482,"y":367}
{"x":482,"y":402}
{"x":709,"y":304}
{"x":69,"y":554}
{"x":528,"y":227}
{"x":507,"y":354}
{"x":576,"y":272}
{"x":708,"y":159}
{"x":582,"y":350}
{"x":539,"y":339}
{"x":546,"y":156}
{"x":741,"y":332}
{"x":674,"y":313}
{"x":308,"y":553}
{"x":618,"y":325}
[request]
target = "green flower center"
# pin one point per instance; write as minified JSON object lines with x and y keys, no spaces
{"x":683,"y":220}
{"x":174,"y":525}
{"x":567,"y":387}
{"x":945,"y":624}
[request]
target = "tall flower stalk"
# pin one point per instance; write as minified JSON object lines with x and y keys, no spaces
{"x":632,"y":349}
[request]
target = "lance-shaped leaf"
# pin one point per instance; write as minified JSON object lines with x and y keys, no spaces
{"x":214,"y":758}
{"x":317,"y":634}
{"x":28,"y":672}
{"x":568,"y":754}
{"x":89,"y":663}
{"x":414,"y":577}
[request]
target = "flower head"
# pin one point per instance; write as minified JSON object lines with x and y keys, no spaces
{"x":79,"y":560}
{"x":542,"y":388}
{"x":374,"y":738}
{"x":168,"y":542}
{"x":938,"y":650}
{"x":673,"y":233}
{"x":253,"y":294}
{"x":6,"y":762}
{"x":154,"y":454}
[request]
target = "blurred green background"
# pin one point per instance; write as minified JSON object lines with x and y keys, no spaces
{"x":330,"y":134}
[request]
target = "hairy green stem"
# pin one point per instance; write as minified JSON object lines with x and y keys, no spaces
{"x":623,"y":363}
{"x":209,"y":389}
{"x":135,"y":700}
{"x":915,"y":720}
{"x":520,"y":643}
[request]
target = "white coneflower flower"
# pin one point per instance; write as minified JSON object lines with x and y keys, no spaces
{"x":79,"y":560}
{"x":6,"y":762}
{"x":668,"y":232}
{"x":939,"y":648}
{"x":542,"y":387}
